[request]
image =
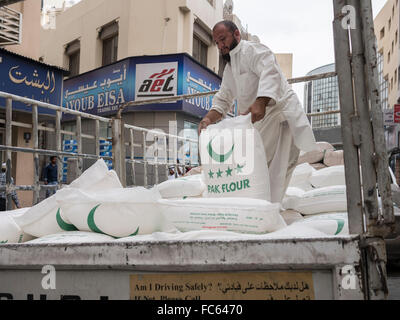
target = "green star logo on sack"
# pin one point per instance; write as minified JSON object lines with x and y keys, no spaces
{"x":219,"y":157}
{"x":62,"y":224}
{"x":94,"y":228}
{"x":211,"y":174}
{"x":239,"y":168}
{"x":219,"y":173}
{"x":229,"y":172}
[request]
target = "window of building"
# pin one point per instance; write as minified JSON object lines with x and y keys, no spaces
{"x":382,"y":32}
{"x":395,"y":76}
{"x":73,"y":52}
{"x":201,"y":41}
{"x":390,"y":23}
{"x":211,"y":2}
{"x":200,"y":51}
{"x":389,"y":57}
{"x":396,"y":37}
{"x":392,"y":47}
{"x":109,"y":37}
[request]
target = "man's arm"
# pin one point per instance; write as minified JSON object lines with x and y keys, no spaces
{"x":263,"y":64}
{"x":211,"y":118}
{"x":258,"y":109}
{"x":221,"y":102}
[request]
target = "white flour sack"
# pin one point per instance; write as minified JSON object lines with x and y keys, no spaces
{"x":317,"y":155}
{"x":118,"y":213}
{"x":301,"y":177}
{"x":47,"y":218}
{"x":292,"y":198}
{"x":224,"y":214}
{"x":190,"y":186}
{"x":329,"y":199}
{"x":332,"y":176}
{"x":10,"y":232}
{"x":234,"y":161}
{"x":75,"y":237}
{"x":332,"y":224}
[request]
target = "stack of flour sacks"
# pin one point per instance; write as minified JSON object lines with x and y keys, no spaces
{"x":93,"y":207}
{"x":317,"y":191}
{"x":231,"y":194}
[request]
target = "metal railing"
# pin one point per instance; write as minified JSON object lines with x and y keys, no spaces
{"x":119,"y":146}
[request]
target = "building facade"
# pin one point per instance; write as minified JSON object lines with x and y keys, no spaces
{"x":387,"y":34}
{"x":321,"y":96}
{"x":94,"y":33}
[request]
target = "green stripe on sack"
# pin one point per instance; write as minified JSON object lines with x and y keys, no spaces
{"x":62,"y":224}
{"x":340,"y":227}
{"x":94,"y":228}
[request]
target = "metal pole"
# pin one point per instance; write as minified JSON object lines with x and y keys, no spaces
{"x":97,"y":137}
{"x":8,"y":127}
{"x":8,"y":186}
{"x":79,"y":143}
{"x":8,"y":153}
{"x":118,"y":147}
{"x":35,"y":138}
{"x":381,"y":158}
{"x":350,"y":142}
{"x":156,"y":159}
{"x":132,"y":137}
{"x":366,"y":147}
{"x":166,"y":157}
{"x":145,"y":181}
{"x":59,"y":146}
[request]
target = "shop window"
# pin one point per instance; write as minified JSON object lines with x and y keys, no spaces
{"x":109,"y":37}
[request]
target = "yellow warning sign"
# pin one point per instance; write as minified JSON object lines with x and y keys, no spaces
{"x":223,"y":286}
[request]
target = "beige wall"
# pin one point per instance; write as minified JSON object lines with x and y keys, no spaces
{"x":149,"y":27}
{"x":385,"y":45}
{"x":24,"y":162}
{"x":285,"y":61}
{"x":31,"y":28}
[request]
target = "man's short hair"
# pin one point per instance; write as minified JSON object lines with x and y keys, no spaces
{"x":52,"y":157}
{"x":232,"y":27}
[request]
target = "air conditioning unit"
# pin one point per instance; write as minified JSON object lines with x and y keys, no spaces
{"x":10,"y":27}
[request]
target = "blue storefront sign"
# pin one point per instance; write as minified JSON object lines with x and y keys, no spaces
{"x":30,"y":79}
{"x":103,"y":91}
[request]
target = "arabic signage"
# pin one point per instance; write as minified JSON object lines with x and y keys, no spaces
{"x":223,"y":286}
{"x":30,"y":79}
{"x":388,"y":117}
{"x":104,"y":90}
{"x":197,"y":79}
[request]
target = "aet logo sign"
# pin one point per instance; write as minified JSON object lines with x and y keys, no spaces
{"x":156,"y":80}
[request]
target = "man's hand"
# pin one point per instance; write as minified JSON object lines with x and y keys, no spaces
{"x":204,"y":124}
{"x":257,"y":109}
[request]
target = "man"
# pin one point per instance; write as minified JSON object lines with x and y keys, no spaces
{"x":253,"y":77}
{"x":171,"y":174}
{"x":3,"y":193}
{"x":51,"y":176}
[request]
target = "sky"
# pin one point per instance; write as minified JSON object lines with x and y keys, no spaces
{"x":301,"y":27}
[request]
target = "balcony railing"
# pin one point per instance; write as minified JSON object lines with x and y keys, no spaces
{"x":10,"y":26}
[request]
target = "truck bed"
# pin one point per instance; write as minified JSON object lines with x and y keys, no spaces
{"x":315,"y":268}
